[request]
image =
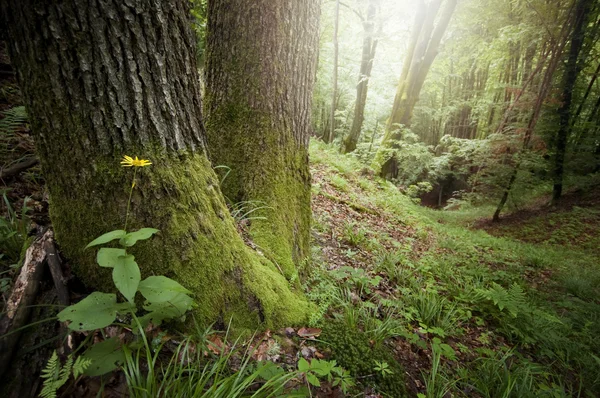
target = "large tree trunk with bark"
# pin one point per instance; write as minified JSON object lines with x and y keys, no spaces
{"x":261,"y":64}
{"x":107,"y":79}
{"x":425,"y":42}
{"x":366,"y":65}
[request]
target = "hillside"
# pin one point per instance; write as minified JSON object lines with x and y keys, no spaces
{"x":459,"y":309}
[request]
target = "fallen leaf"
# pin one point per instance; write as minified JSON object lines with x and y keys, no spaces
{"x":309,"y":332}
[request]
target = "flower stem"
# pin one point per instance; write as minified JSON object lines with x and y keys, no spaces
{"x":129,"y":201}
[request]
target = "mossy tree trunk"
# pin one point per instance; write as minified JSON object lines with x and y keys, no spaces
{"x":261,"y":64}
{"x":106,"y":79}
{"x":423,"y":49}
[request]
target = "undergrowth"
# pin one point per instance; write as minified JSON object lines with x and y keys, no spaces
{"x":490,"y":316}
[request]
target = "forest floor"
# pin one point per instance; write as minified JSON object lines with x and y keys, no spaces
{"x":413,"y":300}
{"x":508,"y":308}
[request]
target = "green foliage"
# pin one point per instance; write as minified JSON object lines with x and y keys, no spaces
{"x":190,"y":371}
{"x":352,"y":350}
{"x":164,"y":299}
{"x":56,"y":375}
{"x":354,"y":236}
{"x":13,"y":232}
{"x":357,"y":278}
{"x":437,"y":383}
{"x":513,"y":300}
{"x":321,"y":369}
{"x":12,"y":119}
{"x":383,"y":368}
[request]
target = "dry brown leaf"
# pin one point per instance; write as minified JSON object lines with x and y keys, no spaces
{"x":309,"y":332}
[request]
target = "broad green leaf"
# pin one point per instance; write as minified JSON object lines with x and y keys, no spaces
{"x":131,"y":238}
{"x":312,"y":379}
{"x":105,"y":356}
{"x":126,"y":276}
{"x":96,"y":311}
{"x":108,"y":257}
{"x":268,"y":370}
{"x":158,"y":289}
{"x":174,"y":308}
{"x":107,"y":237}
{"x":303,"y":365}
{"x":154,"y":317}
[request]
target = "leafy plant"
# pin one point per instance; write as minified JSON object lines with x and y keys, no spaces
{"x":320,"y":369}
{"x":383,"y":368}
{"x":357,"y":278}
{"x":56,"y":375}
{"x":12,"y":118}
{"x":354,"y":237}
{"x":164,"y":299}
{"x":13,"y":231}
{"x":513,"y":300}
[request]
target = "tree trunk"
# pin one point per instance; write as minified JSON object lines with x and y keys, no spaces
{"x":366,"y":65}
{"x":107,"y":79}
{"x":330,"y":136}
{"x":564,"y":111}
{"x":260,"y":72}
{"x":422,"y":52}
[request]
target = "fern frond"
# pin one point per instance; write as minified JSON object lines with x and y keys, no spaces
{"x":80,"y":366}
{"x":513,"y":300}
{"x":55,"y":376}
{"x":13,"y":118}
{"x":52,"y":367}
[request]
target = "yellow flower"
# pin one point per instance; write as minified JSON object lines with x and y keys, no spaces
{"x":128,"y":161}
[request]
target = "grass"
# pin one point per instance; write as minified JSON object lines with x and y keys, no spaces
{"x":519,"y":311}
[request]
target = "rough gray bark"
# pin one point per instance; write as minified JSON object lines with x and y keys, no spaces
{"x":106,"y":79}
{"x":260,"y":70}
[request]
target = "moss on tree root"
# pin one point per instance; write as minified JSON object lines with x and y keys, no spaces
{"x":270,"y":170}
{"x":198,"y":244}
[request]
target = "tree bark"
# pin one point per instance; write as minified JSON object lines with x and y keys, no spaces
{"x":261,"y":64}
{"x":564,"y":111}
{"x":423,"y":50}
{"x":366,"y":65}
{"x":330,"y":136}
{"x":106,"y":79}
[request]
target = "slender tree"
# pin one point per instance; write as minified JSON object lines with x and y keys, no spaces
{"x":366,"y":65}
{"x":423,"y":49}
{"x":261,"y":66}
{"x":572,"y":70}
{"x":330,"y":133}
{"x":106,"y":79}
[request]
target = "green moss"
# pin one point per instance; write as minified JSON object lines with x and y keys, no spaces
{"x":198,"y":244}
{"x":269,"y":168}
{"x":353,"y":351}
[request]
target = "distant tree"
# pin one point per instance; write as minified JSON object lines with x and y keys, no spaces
{"x":260,"y":71}
{"x":106,"y":79}
{"x":423,"y":49}
{"x":366,"y":65}
{"x":330,"y":134}
{"x":572,"y":70}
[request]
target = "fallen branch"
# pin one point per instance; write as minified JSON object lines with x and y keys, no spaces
{"x":54,"y":264}
{"x":19,"y":303}
{"x":19,"y":167}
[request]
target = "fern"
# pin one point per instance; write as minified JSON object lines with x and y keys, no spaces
{"x":55,"y":376}
{"x":513,"y":300}
{"x":12,"y":119}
